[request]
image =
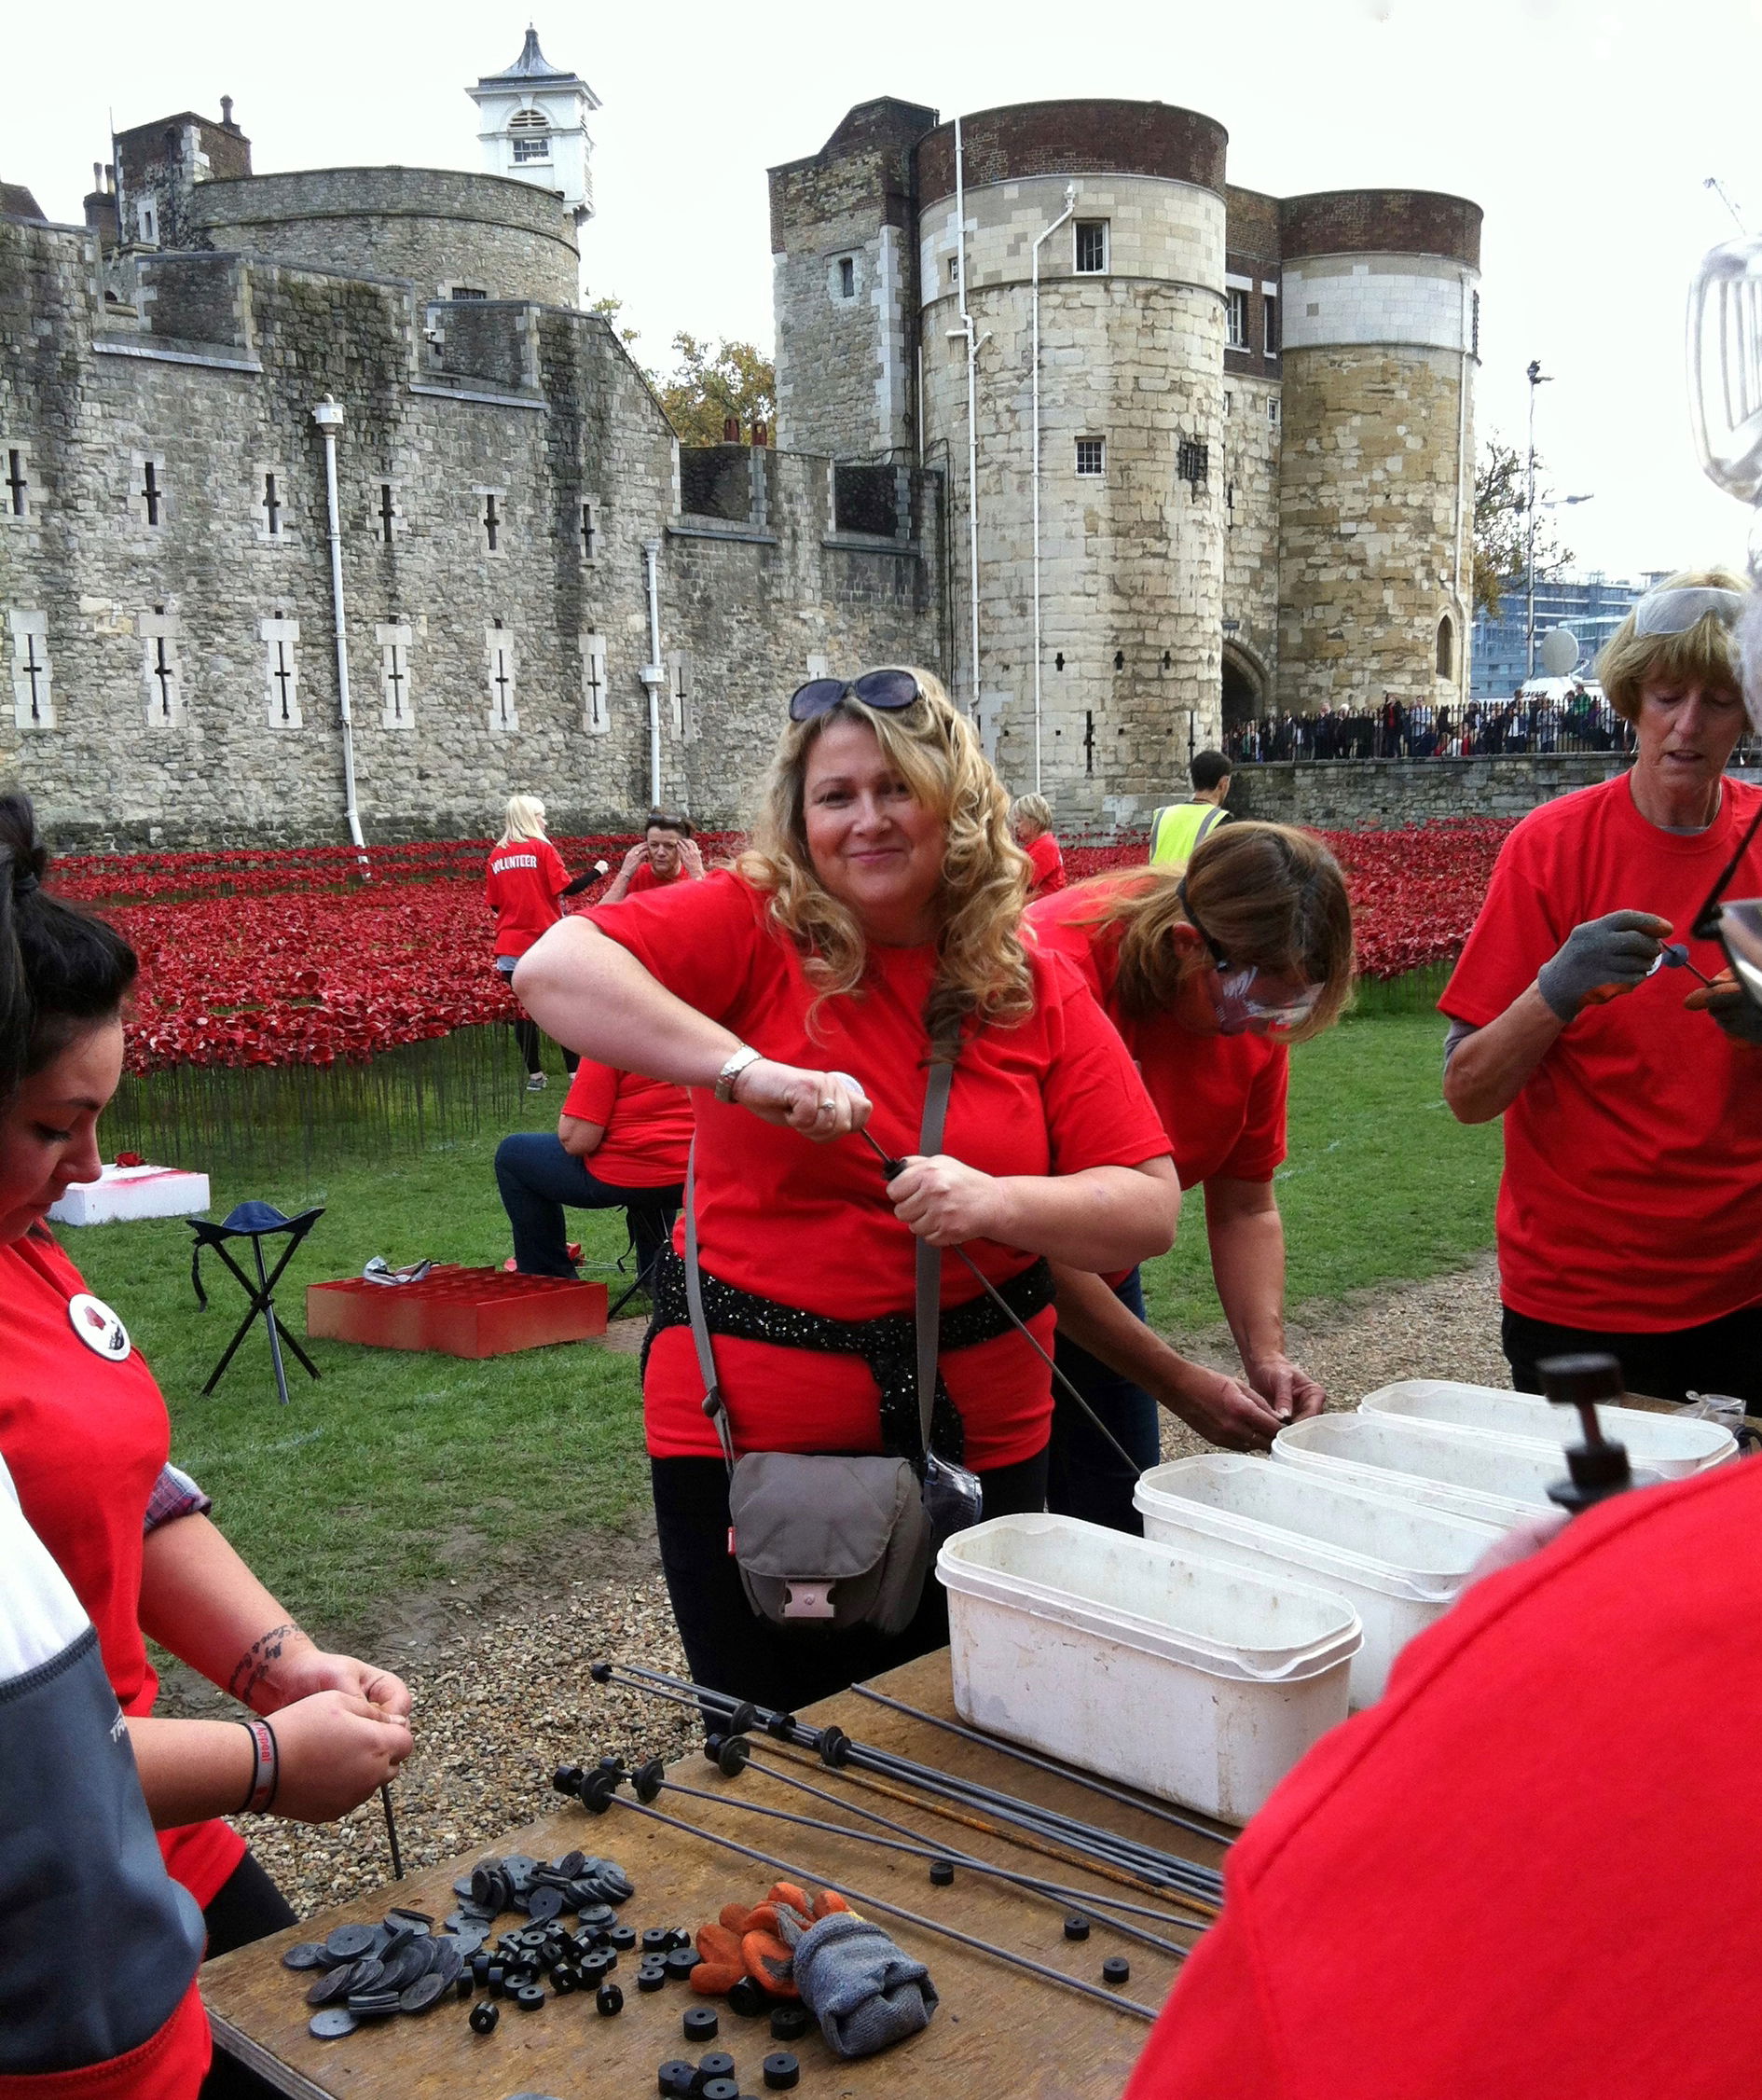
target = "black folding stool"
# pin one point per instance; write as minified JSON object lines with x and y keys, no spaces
{"x":257,"y":1223}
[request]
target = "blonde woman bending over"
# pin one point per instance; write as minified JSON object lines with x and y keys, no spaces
{"x":804,"y":993}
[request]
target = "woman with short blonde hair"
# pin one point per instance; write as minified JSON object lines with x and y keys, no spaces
{"x":1032,"y":816}
{"x":1209,"y":973}
{"x":871,"y":931}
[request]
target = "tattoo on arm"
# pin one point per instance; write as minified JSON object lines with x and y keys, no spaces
{"x":259,"y":1659}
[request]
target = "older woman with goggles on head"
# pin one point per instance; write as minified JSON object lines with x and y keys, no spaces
{"x":1630,"y":1213}
{"x":1209,"y":975}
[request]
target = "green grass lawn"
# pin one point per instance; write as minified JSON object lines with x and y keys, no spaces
{"x":396,"y":1470}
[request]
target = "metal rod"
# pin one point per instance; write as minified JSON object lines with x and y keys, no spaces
{"x":1160,"y":1868}
{"x":391,"y":1830}
{"x":1040,"y":1765}
{"x":894,"y":1910}
{"x":1057,"y":1893}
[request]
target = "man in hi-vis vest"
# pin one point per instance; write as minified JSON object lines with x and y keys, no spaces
{"x":1177,"y":830}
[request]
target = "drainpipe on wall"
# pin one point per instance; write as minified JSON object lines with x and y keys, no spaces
{"x":655,"y":670}
{"x":972,"y":407}
{"x":1071,"y":205}
{"x":329,"y":419}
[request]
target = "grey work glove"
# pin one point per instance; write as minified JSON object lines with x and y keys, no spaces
{"x":865,"y":1991}
{"x":1618,"y":950}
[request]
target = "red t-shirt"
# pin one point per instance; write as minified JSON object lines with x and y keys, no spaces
{"x":524,"y":882}
{"x":85,"y":1438}
{"x":1631,"y":1199}
{"x":1048,"y":864}
{"x":647,"y":1122}
{"x":646,"y":879}
{"x":1526,"y":1873}
{"x":810,"y":1225}
{"x":1221,"y":1098}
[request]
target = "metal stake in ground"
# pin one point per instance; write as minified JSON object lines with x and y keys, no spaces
{"x":391,"y":1830}
{"x":868,"y":1902}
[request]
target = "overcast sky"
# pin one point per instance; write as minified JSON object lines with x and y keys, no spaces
{"x":1585,"y":130}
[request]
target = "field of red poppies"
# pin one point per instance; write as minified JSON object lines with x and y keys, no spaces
{"x":312,"y":955}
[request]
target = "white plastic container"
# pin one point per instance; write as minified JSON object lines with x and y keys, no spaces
{"x":122,"y":1192}
{"x":1198,"y":1681}
{"x":1397,"y":1563}
{"x":1670,"y":1445}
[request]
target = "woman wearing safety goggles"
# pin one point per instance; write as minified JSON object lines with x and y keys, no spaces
{"x":1208,"y":977}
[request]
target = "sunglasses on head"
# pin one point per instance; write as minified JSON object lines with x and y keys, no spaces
{"x":888,"y":690}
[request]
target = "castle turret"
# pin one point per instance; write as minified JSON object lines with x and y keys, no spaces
{"x":533,"y":126}
{"x":1130,"y":380}
{"x":159,"y":166}
{"x":1376,"y":469}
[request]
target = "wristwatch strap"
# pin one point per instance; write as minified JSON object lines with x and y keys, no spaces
{"x":726,"y":1078}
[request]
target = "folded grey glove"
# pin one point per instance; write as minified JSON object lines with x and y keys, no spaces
{"x":1618,"y":948}
{"x":865,"y":1991}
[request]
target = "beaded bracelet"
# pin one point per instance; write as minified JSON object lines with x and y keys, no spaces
{"x":266,"y":1772}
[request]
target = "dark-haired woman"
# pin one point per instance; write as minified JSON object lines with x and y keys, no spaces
{"x":85,"y":1435}
{"x":1208,"y":977}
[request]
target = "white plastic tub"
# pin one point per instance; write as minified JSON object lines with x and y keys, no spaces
{"x":1397,"y":1563}
{"x":1670,"y":1445}
{"x":1175,"y":1672}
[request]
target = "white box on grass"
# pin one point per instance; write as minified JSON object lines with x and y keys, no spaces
{"x":122,"y":1193}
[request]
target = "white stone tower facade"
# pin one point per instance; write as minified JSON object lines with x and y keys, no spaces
{"x":532,"y":125}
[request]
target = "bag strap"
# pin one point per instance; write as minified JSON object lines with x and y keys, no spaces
{"x":714,"y":1404}
{"x":929,"y":1259}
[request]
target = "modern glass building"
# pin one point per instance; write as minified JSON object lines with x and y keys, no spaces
{"x":1592,"y":606}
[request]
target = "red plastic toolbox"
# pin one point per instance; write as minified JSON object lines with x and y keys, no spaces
{"x":458,"y":1312}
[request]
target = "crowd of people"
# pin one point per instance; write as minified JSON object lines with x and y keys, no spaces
{"x":861,"y":1061}
{"x":1523,"y":725}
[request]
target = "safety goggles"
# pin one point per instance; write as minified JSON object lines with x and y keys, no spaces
{"x":1240,"y":1006}
{"x":1675,"y":612}
{"x":888,"y":690}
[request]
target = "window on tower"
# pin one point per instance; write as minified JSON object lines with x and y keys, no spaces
{"x":846,"y":277}
{"x":531,"y":135}
{"x":1092,"y":455}
{"x":1092,"y":247}
{"x":1238,"y":338}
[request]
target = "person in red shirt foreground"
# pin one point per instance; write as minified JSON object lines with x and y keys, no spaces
{"x":524,"y":886}
{"x":621,"y":1143}
{"x":85,"y":1435}
{"x":872,"y":927}
{"x":1031,"y":815}
{"x":665,"y":853}
{"x":1629,"y":1214}
{"x":1209,"y":977}
{"x":1526,"y":1873}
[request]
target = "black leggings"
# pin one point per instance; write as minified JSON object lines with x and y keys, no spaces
{"x":526,"y":1040}
{"x":1721,"y":1356}
{"x":730,"y":1648}
{"x":249,"y":1907}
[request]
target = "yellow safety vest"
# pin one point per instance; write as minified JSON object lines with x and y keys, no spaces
{"x":1176,"y":830}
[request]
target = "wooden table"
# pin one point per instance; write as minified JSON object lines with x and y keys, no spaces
{"x":998,"y":2030}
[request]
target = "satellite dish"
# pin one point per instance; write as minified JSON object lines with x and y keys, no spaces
{"x":1560,"y":651}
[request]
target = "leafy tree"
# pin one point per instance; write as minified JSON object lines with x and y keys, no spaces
{"x":707,"y":386}
{"x":1502,"y":526}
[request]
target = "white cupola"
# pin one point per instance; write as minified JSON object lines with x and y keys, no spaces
{"x":533,"y":126}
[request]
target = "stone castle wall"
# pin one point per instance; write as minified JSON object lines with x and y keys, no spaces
{"x":167,"y":635}
{"x":436,"y":227}
{"x":1247,"y":479}
{"x":1376,"y":794}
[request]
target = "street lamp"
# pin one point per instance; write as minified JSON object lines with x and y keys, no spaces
{"x":1537,"y":379}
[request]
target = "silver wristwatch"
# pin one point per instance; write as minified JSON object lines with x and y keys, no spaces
{"x":730,"y":1071}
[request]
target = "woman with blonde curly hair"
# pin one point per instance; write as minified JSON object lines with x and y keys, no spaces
{"x":1209,"y":972}
{"x":871,"y":931}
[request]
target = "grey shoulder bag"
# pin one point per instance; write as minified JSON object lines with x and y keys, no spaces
{"x":822,"y":1540}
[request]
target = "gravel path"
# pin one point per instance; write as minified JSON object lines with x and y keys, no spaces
{"x":502,"y":1698}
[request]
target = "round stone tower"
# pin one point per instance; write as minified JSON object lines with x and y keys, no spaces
{"x":1131,"y":394}
{"x":1376,"y":467}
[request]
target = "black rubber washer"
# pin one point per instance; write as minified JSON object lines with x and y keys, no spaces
{"x":701,"y":2023}
{"x":834,"y":1747}
{"x":530,"y":1997}
{"x":676,"y":2076}
{"x":544,"y":1904}
{"x":745,"y":1998}
{"x":622,"y":1937}
{"x":681,"y":1963}
{"x":741,"y":1720}
{"x":719,"y":2089}
{"x":609,"y":2001}
{"x":310,"y":1953}
{"x":716,"y":2064}
{"x":942,"y":1872}
{"x":601,"y":1672}
{"x":781,"y":2071}
{"x":649,"y":1979}
{"x":353,"y":1941}
{"x":1116,"y":1969}
{"x":564,"y":1978}
{"x":790,"y":2022}
{"x":483,"y":2016}
{"x":657,"y":1940}
{"x":1076,"y":1928}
